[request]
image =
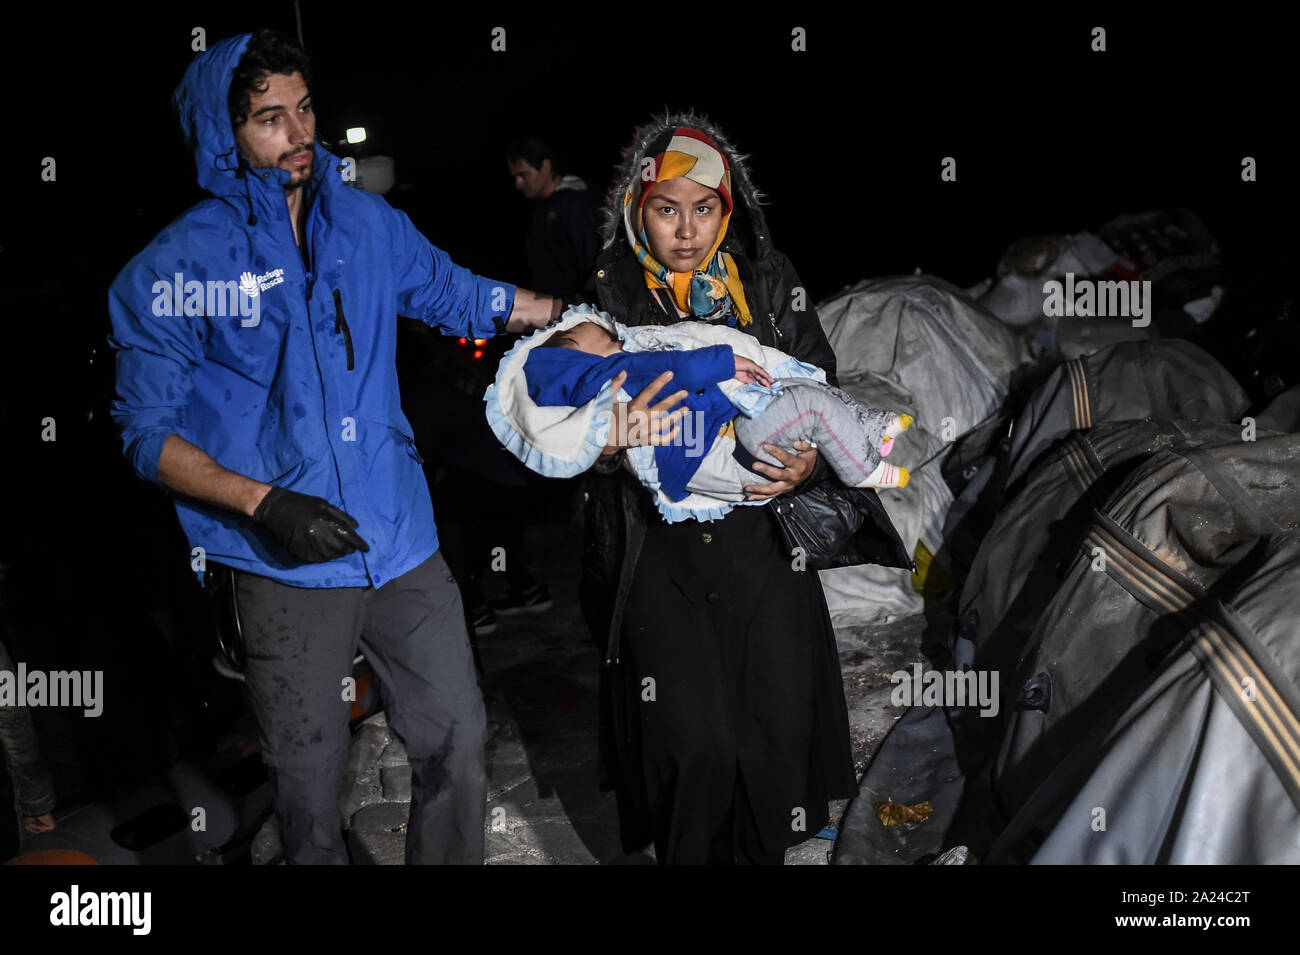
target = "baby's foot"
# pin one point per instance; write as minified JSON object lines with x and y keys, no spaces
{"x":886,"y":475}
{"x":897,"y":425}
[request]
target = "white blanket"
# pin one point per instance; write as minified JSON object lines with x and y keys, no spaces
{"x":566,"y":441}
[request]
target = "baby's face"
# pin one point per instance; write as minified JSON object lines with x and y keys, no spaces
{"x":594,"y":340}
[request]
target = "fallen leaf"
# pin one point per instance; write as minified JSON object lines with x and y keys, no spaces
{"x":896,"y":813}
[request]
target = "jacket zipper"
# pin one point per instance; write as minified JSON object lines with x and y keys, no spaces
{"x":341,"y":325}
{"x":771,"y":317}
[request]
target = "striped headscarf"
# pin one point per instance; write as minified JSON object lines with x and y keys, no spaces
{"x":713,"y":291}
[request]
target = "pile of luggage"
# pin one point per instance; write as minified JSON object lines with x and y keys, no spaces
{"x":1123,"y":532}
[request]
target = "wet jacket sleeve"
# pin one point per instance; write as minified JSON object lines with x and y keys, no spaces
{"x":156,"y":358}
{"x":440,"y":293}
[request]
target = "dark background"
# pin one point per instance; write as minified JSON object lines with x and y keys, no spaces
{"x":846,"y":137}
{"x":846,"y":140}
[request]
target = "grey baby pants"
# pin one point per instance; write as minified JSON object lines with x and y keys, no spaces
{"x":846,"y":432}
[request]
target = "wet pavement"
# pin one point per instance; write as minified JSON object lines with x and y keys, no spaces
{"x":539,"y":678}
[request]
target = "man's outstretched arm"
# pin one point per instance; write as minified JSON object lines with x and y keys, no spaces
{"x":532,"y":310}
{"x":446,"y":296}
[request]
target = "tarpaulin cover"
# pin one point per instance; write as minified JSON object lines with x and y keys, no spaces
{"x":920,"y":345}
{"x":1138,"y":583}
{"x":1163,"y":379}
{"x":1171,"y":730}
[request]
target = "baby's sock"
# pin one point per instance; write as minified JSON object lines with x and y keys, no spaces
{"x":897,"y":425}
{"x":886,"y":475}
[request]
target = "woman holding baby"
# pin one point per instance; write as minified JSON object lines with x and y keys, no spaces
{"x":724,"y":727}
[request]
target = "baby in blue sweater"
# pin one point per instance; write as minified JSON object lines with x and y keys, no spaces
{"x":570,"y":368}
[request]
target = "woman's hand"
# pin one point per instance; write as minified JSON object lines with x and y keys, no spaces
{"x":796,"y":469}
{"x":637,"y":422}
{"x":752,"y":373}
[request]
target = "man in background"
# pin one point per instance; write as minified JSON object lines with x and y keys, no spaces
{"x":563,"y":236}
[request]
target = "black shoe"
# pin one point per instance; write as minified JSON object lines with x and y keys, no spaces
{"x":482,"y":620}
{"x":534,"y":599}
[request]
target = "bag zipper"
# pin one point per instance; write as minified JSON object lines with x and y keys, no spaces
{"x":341,"y":324}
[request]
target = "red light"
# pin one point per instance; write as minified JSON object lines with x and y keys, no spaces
{"x":480,"y":342}
{"x":478,"y":353}
{"x":464,"y":341}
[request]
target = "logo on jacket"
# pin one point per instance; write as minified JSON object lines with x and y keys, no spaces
{"x":253,"y":284}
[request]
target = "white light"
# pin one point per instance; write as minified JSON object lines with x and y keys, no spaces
{"x":357,"y":134}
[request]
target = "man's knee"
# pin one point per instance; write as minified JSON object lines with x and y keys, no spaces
{"x":295,"y":740}
{"x":456,"y":735}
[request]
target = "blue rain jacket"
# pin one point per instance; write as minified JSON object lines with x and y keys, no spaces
{"x":301,"y":393}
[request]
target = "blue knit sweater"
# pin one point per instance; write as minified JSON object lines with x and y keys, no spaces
{"x":569,"y":378}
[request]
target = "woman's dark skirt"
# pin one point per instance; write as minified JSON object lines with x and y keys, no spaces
{"x":728,"y":715}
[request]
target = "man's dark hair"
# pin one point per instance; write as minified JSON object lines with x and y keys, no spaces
{"x":535,"y":152}
{"x":268,"y":51}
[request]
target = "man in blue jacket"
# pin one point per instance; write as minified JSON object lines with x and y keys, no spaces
{"x":256,"y":379}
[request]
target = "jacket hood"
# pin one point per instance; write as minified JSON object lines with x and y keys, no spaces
{"x":200,"y":103}
{"x":201,"y":106}
{"x":748,"y":224}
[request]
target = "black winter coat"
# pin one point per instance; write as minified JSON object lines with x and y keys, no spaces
{"x":616,"y":506}
{"x":621,"y":518}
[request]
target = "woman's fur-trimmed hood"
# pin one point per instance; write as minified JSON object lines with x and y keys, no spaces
{"x":748,"y":223}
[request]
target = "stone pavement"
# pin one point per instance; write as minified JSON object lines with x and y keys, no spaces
{"x":539,"y":680}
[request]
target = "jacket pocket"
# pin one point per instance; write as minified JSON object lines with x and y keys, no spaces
{"x":409,"y":441}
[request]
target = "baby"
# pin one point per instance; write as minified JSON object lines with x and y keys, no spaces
{"x":572,"y":366}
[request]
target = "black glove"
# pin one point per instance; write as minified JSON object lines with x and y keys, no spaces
{"x":310,"y":528}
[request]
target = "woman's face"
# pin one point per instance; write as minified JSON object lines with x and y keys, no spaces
{"x":681,"y":220}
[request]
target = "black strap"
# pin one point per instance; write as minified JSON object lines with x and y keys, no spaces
{"x":742,"y":455}
{"x":1230,"y":490}
{"x":220,"y":584}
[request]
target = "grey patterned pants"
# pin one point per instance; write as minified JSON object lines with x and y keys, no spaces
{"x":847,"y":434}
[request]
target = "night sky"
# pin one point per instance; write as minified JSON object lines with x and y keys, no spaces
{"x":846,"y":138}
